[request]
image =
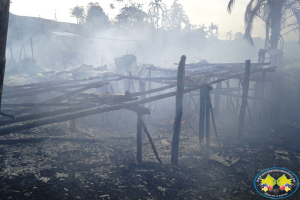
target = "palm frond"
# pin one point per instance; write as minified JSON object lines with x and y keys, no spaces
{"x":250,"y":14}
{"x":297,"y":16}
{"x":230,"y":5}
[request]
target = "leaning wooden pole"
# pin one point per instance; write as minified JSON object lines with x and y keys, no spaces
{"x":151,"y":141}
{"x":244,"y":98}
{"x":4,"y":16}
{"x":179,"y":110}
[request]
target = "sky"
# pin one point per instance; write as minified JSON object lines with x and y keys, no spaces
{"x":199,"y":11}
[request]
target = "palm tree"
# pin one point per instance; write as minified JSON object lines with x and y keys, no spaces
{"x":157,"y":9}
{"x":229,"y":35}
{"x":213,"y":30}
{"x":238,"y":35}
{"x":78,"y":12}
{"x":277,"y":15}
{"x":165,"y":19}
{"x":178,"y":16}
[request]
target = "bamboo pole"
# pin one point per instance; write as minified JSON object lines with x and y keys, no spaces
{"x":4,"y":16}
{"x":179,"y":110}
{"x":244,"y":98}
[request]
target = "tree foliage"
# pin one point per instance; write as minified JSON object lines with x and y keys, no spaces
{"x":156,"y":12}
{"x":178,"y":17}
{"x":96,"y":17}
{"x":79,"y":13}
{"x":277,"y":15}
{"x":131,"y":16}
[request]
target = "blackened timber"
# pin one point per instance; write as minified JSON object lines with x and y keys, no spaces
{"x":153,"y":90}
{"x":87,"y":112}
{"x":30,"y":92}
{"x":207,"y":117}
{"x":151,"y":141}
{"x":240,"y":74}
{"x":202,"y":114}
{"x":51,"y":83}
{"x":179,"y":110}
{"x":83,"y":113}
{"x":213,"y":119}
{"x":69,"y":94}
{"x":35,"y":104}
{"x":109,"y":99}
{"x":262,"y":103}
{"x":43,"y":115}
{"x":217,"y":98}
{"x":223,"y":64}
{"x":4,"y":16}
{"x":139,"y":141}
{"x":244,"y":98}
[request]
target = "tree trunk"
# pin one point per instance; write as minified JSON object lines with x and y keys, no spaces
{"x":276,"y":15}
{"x":4,"y":15}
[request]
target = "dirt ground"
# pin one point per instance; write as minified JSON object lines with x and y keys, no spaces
{"x":93,"y":163}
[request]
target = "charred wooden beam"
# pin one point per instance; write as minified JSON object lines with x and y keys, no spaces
{"x":179,"y":110}
{"x":202,"y":114}
{"x":207,"y":117}
{"x":35,"y":104}
{"x":217,"y":98}
{"x":151,"y":141}
{"x":244,"y":98}
{"x":139,"y":140}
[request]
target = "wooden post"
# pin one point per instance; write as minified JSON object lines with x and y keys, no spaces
{"x":179,"y":110}
{"x":139,"y":140}
{"x":278,"y":95}
{"x":238,"y":97}
{"x":244,"y":98}
{"x":4,"y":16}
{"x":202,"y":114}
{"x":217,"y":99}
{"x":207,"y":117}
{"x":227,"y":92}
{"x":32,"y":53}
{"x":149,"y":75}
{"x":142,"y":88}
{"x":262,"y":106}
